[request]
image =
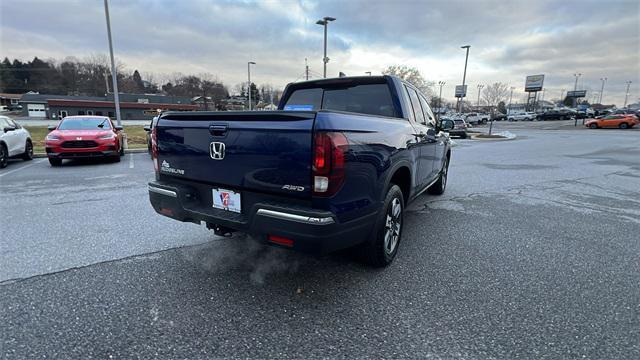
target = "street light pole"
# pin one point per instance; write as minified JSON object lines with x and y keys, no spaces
{"x":249,"y":78}
{"x":480,"y":86}
{"x":604,"y":80}
{"x":114,"y":76}
{"x":626,"y":94}
{"x":464,"y":75}
{"x":324,"y":22}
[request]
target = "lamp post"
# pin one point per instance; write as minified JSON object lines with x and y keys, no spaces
{"x":114,"y":76}
{"x":626,"y":94}
{"x":562,"y":97}
{"x":324,"y":22}
{"x":480,"y":86}
{"x":249,"y":78}
{"x":464,"y":74}
{"x":604,"y":80}
{"x":441,"y":84}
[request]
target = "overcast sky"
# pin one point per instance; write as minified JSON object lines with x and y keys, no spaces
{"x":509,"y":39}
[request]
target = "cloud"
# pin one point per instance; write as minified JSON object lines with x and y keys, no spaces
{"x":509,"y":39}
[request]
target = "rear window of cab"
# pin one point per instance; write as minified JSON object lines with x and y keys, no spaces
{"x":373,"y":99}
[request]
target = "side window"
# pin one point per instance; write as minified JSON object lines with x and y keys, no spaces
{"x":415,"y":104}
{"x":431,"y":120}
{"x":3,"y":123}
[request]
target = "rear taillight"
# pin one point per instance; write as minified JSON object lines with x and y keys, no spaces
{"x":154,"y":149}
{"x":329,"y":150}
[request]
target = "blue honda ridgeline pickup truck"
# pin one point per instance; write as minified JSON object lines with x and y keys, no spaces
{"x":333,"y":168}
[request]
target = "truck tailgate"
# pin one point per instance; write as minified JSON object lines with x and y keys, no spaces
{"x":262,"y":151}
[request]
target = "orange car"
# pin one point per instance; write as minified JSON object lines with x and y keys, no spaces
{"x":622,"y":121}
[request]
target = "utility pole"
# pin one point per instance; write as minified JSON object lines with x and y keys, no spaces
{"x":114,"y":76}
{"x":562,"y":97}
{"x":324,"y":22}
{"x":480,"y":86}
{"x":626,"y":94}
{"x":604,"y":80}
{"x":249,"y":78}
{"x":306,"y":69}
{"x":464,"y":75}
{"x":441,"y":84}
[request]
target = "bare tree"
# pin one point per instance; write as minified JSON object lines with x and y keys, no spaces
{"x":412,"y":76}
{"x":495,"y":93}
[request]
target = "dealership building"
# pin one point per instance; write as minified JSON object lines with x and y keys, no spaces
{"x":132,"y":106}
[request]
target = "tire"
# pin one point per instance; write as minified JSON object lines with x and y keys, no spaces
{"x":55,"y":162}
{"x":121,"y":150}
{"x":28,"y":151}
{"x":116,"y":158}
{"x":623,"y":126}
{"x":440,"y":186}
{"x":382,"y":246}
{"x":4,"y":156}
{"x":593,"y":126}
{"x":463,"y":136}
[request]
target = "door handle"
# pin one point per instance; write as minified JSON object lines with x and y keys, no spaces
{"x":218,"y":130}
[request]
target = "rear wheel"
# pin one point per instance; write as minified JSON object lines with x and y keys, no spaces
{"x":623,"y":125}
{"x":593,"y":126}
{"x":55,"y":162}
{"x":4,"y":156}
{"x":440,"y":186}
{"x":382,"y":247}
{"x":28,"y":151}
{"x":116,"y":158}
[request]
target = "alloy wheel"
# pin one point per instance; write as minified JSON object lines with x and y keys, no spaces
{"x":393,"y":226}
{"x":3,"y":157}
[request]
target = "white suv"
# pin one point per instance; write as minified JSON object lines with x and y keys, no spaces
{"x":14,"y":141}
{"x":477,"y":118}
{"x":522,"y":116}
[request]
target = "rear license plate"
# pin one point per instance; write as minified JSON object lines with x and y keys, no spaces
{"x":226,"y":200}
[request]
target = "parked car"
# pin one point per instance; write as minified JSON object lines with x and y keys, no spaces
{"x":622,"y":121}
{"x":499,"y":117}
{"x":555,"y":115}
{"x":522,"y":116}
{"x":15,"y":141}
{"x":477,"y":118}
{"x":148,"y":129}
{"x":333,"y":168}
{"x":455,"y":127}
{"x":84,"y":137}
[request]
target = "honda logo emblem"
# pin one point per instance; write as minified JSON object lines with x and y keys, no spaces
{"x":216,"y":150}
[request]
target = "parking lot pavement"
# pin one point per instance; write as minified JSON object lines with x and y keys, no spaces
{"x":531,"y":253}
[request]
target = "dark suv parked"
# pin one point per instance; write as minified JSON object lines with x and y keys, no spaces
{"x":555,"y":115}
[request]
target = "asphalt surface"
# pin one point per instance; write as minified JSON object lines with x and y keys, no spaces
{"x":531,"y":253}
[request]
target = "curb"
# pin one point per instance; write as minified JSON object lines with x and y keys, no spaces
{"x":475,"y":137}
{"x":126,"y":151}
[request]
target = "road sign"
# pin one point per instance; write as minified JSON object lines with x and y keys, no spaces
{"x":577,"y":94}
{"x":460,"y":91}
{"x":533,"y":83}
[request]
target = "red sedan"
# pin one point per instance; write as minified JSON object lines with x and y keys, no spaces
{"x":84,"y":137}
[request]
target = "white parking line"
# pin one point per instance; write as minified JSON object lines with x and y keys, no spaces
{"x":35,"y":162}
{"x":131,"y":165}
